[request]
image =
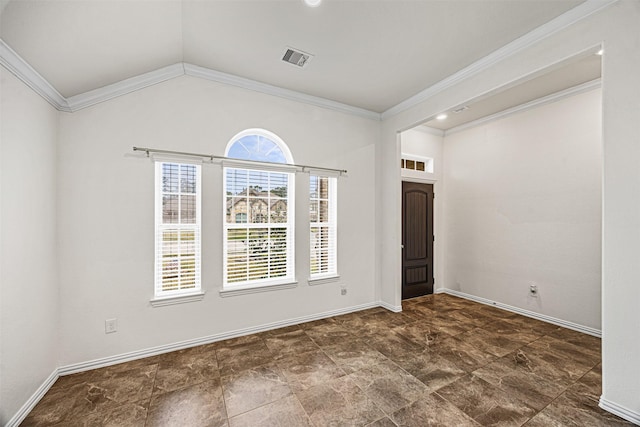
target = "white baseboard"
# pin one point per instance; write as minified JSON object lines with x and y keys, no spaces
{"x":33,"y":400}
{"x":621,"y":411}
{"x":154,"y":351}
{"x":394,"y":308}
{"x":543,"y":317}
{"x":605,"y":404}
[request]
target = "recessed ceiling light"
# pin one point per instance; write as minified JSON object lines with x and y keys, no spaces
{"x":312,"y":3}
{"x":441,"y":116}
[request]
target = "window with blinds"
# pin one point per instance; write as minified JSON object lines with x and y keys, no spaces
{"x":177,"y":219}
{"x":323,"y":226}
{"x":258,"y":224}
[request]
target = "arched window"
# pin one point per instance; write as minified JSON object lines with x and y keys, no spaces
{"x":258,"y":220}
{"x":259,"y":145}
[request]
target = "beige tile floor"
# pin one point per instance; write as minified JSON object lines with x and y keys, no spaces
{"x":443,"y":361}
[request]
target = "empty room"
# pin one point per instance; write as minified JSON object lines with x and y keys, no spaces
{"x":319,"y":212}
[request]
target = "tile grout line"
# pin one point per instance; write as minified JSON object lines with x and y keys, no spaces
{"x":562,"y":393}
{"x":370,"y":328}
{"x":153,"y":387}
{"x":224,"y":401}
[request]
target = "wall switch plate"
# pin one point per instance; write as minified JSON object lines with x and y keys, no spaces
{"x":110,"y":326}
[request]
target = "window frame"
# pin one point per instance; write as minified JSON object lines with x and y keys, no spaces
{"x":240,"y":164}
{"x":166,"y":297}
{"x":332,"y":224}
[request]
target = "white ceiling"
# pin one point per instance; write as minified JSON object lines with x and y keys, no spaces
{"x":572,"y":73}
{"x":368,"y":54}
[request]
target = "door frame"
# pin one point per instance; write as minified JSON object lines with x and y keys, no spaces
{"x":438,"y":277}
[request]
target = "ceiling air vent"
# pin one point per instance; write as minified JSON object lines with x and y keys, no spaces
{"x":296,"y":57}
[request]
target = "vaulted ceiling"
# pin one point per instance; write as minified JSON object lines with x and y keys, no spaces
{"x":368,"y":54}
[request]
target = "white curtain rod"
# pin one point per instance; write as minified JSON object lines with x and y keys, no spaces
{"x":212,"y":157}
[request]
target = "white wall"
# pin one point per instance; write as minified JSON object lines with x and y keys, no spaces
{"x":106,"y":213}
{"x":616,"y":28}
{"x":424,"y":142}
{"x":523,"y":205}
{"x":28,"y":265}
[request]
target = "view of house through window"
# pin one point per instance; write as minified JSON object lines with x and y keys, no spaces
{"x":258,"y":225}
{"x":323,"y":226}
{"x":178,"y":194}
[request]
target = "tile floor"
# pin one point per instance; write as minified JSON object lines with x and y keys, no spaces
{"x":443,"y":361}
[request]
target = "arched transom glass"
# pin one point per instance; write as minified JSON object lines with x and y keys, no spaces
{"x":259,"y":145}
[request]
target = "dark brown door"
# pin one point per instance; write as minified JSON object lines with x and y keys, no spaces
{"x":417,"y":239}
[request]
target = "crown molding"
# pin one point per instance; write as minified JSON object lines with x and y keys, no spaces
{"x":123,"y":87}
{"x":557,"y":24}
{"x":13,"y":62}
{"x":21,"y":69}
{"x":554,"y":97}
{"x":241,"y":82}
{"x":18,"y":66}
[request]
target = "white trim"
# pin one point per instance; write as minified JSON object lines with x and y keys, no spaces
{"x":321,"y":245}
{"x":230,"y":79}
{"x":250,"y":165}
{"x":394,"y":308}
{"x":543,"y":317}
{"x":13,"y":62}
{"x":559,"y":23}
{"x":427,"y":163}
{"x":330,"y":173}
{"x":175,"y":158}
{"x":19,"y":67}
{"x":264,"y":134}
{"x":619,"y":410}
{"x":160,"y":227}
{"x":33,"y":400}
{"x":177,"y":299}
{"x":420,"y":180}
{"x":123,"y":87}
{"x":554,"y":97}
{"x":258,"y":285}
{"x":154,"y":351}
{"x":252,"y":289}
{"x":313,"y":281}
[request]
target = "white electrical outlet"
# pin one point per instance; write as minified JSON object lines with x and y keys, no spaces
{"x":343,"y":290}
{"x":110,"y":326}
{"x":533,"y":289}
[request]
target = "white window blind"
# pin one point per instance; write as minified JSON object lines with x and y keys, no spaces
{"x":258,"y":227}
{"x":323,"y":226}
{"x":177,"y":219}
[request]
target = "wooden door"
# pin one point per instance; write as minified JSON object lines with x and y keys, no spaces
{"x":417,"y":239}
